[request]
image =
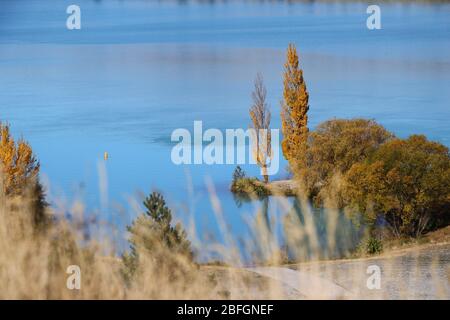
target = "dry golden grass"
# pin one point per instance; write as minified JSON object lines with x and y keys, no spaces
{"x":33,"y":263}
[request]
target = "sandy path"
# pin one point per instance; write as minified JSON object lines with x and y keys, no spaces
{"x":306,"y":284}
{"x":420,"y":273}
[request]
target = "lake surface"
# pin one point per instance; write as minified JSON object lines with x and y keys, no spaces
{"x":137,"y":70}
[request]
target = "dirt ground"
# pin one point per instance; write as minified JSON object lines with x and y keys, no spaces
{"x":414,"y":272}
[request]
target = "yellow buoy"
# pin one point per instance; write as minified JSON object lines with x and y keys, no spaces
{"x":105,"y":155}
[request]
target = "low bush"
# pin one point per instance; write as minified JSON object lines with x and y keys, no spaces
{"x":252,"y":187}
{"x":407,"y":182}
{"x":247,"y":188}
{"x":332,"y":148}
{"x":373,"y":246}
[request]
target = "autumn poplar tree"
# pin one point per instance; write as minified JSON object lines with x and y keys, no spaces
{"x":260,"y":116}
{"x":19,"y":173}
{"x":294,"y":109}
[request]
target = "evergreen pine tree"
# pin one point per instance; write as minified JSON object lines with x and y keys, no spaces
{"x":152,"y":233}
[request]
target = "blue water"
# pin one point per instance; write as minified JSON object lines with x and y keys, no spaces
{"x":137,"y":70}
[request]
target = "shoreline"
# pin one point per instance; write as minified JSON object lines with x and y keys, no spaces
{"x":286,"y":187}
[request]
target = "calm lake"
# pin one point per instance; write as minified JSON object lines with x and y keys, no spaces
{"x":137,"y":70}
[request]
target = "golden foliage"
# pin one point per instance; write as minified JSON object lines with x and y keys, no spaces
{"x":408,"y":181}
{"x":294,"y":108}
{"x":332,"y":148}
{"x":18,"y":163}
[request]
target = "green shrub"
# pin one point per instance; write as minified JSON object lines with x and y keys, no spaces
{"x":251,"y":187}
{"x":247,"y":188}
{"x":373,"y":246}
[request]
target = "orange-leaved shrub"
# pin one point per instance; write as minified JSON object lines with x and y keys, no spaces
{"x":407,"y":182}
{"x":332,"y":148}
{"x":19,"y":173}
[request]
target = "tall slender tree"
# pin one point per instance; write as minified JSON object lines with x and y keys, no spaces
{"x":294,"y":109}
{"x":260,"y":115}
